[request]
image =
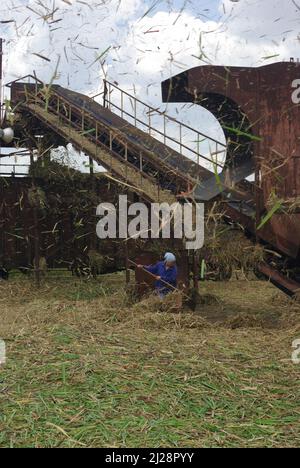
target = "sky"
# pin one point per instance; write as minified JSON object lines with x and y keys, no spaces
{"x":138,"y":43}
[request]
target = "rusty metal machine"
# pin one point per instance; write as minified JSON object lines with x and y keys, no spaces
{"x":258,"y":110}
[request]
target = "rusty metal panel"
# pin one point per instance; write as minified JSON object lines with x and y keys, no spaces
{"x":255,"y":101}
{"x":296,"y":176}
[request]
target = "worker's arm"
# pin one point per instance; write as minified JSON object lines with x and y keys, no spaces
{"x":153,"y":269}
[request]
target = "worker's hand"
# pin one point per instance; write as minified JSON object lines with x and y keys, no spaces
{"x":140,"y":266}
{"x":158,"y":278}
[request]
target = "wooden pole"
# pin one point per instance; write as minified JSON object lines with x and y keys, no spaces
{"x":195,"y":271}
{"x":36,"y":233}
{"x":93,"y":189}
{"x":127,"y":263}
{"x":91,"y":166}
{"x":37,"y":275}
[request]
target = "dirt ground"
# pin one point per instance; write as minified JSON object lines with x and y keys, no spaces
{"x":86,"y":367}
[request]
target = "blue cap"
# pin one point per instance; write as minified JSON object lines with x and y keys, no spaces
{"x":169,"y":257}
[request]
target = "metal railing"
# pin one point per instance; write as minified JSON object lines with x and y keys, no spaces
{"x":14,"y":170}
{"x":161,"y":131}
{"x":89,"y":127}
{"x":31,"y":79}
{"x":15,"y":167}
{"x":119,"y":100}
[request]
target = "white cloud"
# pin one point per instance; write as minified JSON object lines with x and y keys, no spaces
{"x":141,"y":52}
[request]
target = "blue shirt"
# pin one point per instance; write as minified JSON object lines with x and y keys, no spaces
{"x":167,"y":274}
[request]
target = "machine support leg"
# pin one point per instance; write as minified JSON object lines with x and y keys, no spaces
{"x":195,"y":271}
{"x":127,"y":263}
{"x":37,"y":276}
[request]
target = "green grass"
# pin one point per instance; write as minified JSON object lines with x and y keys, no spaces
{"x":84,"y":369}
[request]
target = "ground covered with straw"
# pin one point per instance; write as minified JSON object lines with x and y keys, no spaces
{"x":87,"y":368}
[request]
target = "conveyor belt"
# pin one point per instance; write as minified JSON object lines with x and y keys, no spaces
{"x":136,"y":136}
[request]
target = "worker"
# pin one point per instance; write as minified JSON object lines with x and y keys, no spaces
{"x":165,"y":271}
